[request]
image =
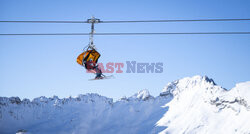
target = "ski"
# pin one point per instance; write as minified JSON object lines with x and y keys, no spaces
{"x":103,"y":78}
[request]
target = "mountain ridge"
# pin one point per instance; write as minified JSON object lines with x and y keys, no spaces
{"x":199,"y":96}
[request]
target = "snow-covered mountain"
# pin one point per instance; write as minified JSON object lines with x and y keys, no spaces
{"x":189,"y":105}
{"x":200,"y":106}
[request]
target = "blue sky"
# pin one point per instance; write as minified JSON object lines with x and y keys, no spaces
{"x":33,"y":66}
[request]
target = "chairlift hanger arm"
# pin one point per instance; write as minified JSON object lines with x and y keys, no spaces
{"x":93,"y":20}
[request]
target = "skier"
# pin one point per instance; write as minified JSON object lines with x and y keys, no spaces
{"x":93,"y":67}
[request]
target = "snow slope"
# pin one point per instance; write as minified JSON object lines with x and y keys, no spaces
{"x":189,"y":105}
{"x":200,"y":106}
